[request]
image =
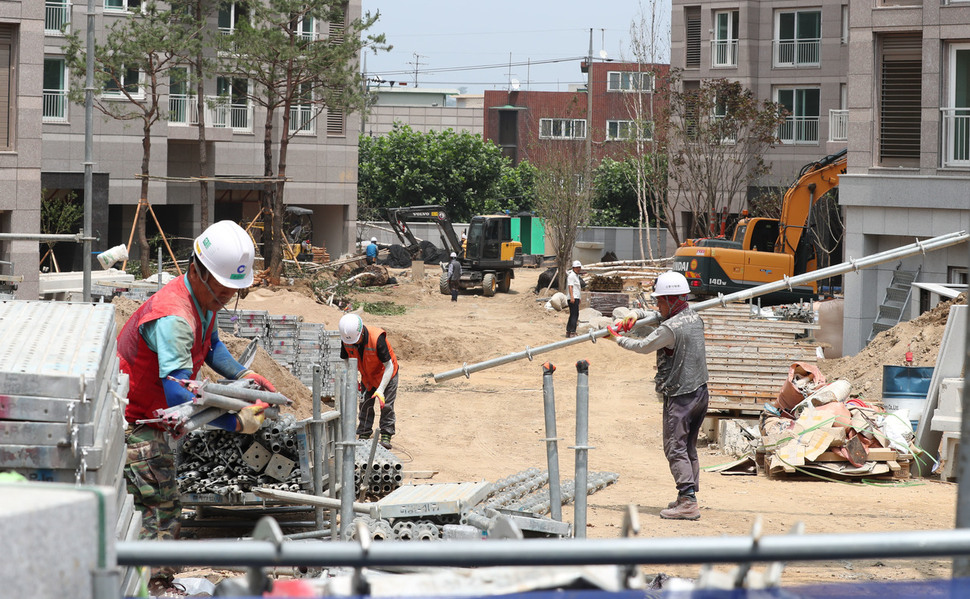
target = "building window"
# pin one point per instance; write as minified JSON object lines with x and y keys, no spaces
{"x":122,"y":84}
{"x":724,"y":46}
{"x":844,"y":39}
{"x":802,"y":105}
{"x":233,"y":108}
{"x":839,"y":119}
{"x":562,"y":129}
{"x":900,"y":89}
{"x":629,"y":81}
{"x":617,"y":130}
{"x":182,"y":108}
{"x":7,"y":83}
{"x":55,"y":91}
{"x":798,"y":37}
{"x":955,"y":115}
{"x":230,"y":14}
{"x":302,"y":112}
{"x":122,"y":5}
{"x":692,"y":48}
{"x":57,"y":16}
{"x":306,"y":29}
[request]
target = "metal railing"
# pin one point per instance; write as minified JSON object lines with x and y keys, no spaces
{"x":57,"y":16}
{"x":55,"y":106}
{"x":182,"y":110}
{"x":797,"y":53}
{"x":799,"y":130}
{"x":302,"y":120}
{"x":955,"y":125}
{"x":838,"y":125}
{"x":724,"y":53}
{"x":219,"y":112}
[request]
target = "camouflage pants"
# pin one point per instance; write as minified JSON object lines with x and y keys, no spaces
{"x":150,"y":477}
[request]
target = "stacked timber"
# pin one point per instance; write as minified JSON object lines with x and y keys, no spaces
{"x":748,"y":358}
{"x":638,"y":274}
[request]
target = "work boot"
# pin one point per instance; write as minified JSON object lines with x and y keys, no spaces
{"x":685,"y":508}
{"x":364,"y":436}
{"x":385,"y":440}
{"x":676,"y":501}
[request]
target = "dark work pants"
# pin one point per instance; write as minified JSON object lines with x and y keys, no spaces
{"x":453,"y":285}
{"x":365,"y":417}
{"x":683,"y":417}
{"x":573,"y":316}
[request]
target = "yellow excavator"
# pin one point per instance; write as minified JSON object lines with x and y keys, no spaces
{"x":764,"y":250}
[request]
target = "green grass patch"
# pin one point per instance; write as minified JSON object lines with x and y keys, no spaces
{"x":384,"y":308}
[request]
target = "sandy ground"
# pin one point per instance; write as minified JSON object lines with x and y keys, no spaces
{"x":491,"y":425}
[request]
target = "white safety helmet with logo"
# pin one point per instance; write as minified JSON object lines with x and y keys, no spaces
{"x":670,"y":283}
{"x":227,"y":251}
{"x":351,"y":327}
{"x":577,"y":264}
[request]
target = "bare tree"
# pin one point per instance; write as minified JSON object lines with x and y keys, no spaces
{"x":719,"y":133}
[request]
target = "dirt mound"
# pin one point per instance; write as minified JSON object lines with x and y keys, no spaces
{"x":922,"y":336}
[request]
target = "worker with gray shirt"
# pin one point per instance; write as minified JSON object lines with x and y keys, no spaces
{"x":454,"y":276}
{"x":682,"y":382}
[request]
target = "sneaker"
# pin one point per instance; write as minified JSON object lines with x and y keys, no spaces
{"x":685,"y":509}
{"x":385,"y":441}
{"x":363,"y":436}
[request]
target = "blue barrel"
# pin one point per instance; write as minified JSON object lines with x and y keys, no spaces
{"x":906,"y":387}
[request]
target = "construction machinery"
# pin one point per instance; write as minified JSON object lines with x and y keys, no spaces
{"x":764,"y":250}
{"x":488,"y":255}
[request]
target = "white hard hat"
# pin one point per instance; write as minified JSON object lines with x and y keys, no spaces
{"x":227,"y":251}
{"x":577,"y":264}
{"x":350,"y":327}
{"x":670,"y":283}
{"x":373,"y":240}
{"x":454,"y":255}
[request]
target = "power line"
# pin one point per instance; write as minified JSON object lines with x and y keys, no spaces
{"x":498,"y":65}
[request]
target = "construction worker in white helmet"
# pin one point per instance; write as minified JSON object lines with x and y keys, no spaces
{"x":370,"y":253}
{"x":378,"y":370}
{"x":166,"y":341}
{"x":681,"y":380}
{"x":574,"y":290}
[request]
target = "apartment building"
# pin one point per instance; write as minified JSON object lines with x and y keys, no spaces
{"x":523,"y":122}
{"x":909,"y":148}
{"x":21,"y":67}
{"x":321,"y":162}
{"x":790,"y":52}
{"x":423,"y":109}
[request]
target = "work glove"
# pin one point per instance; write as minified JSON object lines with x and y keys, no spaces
{"x":379,"y":396}
{"x":251,"y":418}
{"x":259,"y":379}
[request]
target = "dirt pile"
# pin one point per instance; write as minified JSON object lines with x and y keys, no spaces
{"x":922,"y":336}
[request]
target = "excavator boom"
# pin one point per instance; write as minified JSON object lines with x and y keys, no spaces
{"x":814,"y":181}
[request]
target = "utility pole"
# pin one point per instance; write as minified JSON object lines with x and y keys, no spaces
{"x":88,"y":154}
{"x":417,"y":64}
{"x":589,"y":107}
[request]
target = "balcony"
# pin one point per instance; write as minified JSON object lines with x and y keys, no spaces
{"x":796,"y":53}
{"x":724,"y":53}
{"x":838,"y":125}
{"x":219,"y":112}
{"x":956,"y":137}
{"x":57,"y":16}
{"x":302,"y":120}
{"x":55,"y":106}
{"x":799,"y":130}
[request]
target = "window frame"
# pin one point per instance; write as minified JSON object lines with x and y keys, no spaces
{"x":65,"y":78}
{"x":630,"y":125}
{"x":562,"y":122}
{"x":138,"y":94}
{"x":309,"y":126}
{"x":125,"y":7}
{"x":797,"y":40}
{"x":628,"y":77}
{"x":730,"y":43}
{"x":795,"y":118}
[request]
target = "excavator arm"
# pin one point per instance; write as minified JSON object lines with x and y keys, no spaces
{"x":814,"y":181}
{"x":400,"y":217}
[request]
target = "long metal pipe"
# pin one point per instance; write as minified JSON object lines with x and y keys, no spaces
{"x":316,"y":441}
{"x":88,"y":153}
{"x":961,"y":564}
{"x":552,"y":441}
{"x":540,"y":552}
{"x":76,"y":237}
{"x":270,"y":397}
{"x":850,"y":265}
{"x":348,"y":422}
{"x":582,"y":448}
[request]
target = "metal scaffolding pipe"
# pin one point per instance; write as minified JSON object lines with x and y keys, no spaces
{"x":348,"y":422}
{"x":252,"y":395}
{"x":552,"y":440}
{"x":545,"y":552}
{"x":851,"y":265}
{"x":582,"y":447}
{"x":316,"y":443}
{"x":75,"y":237}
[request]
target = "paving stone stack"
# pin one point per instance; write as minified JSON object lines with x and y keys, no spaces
{"x":61,"y":414}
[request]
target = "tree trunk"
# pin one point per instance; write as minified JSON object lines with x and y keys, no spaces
{"x":271,"y":225}
{"x":143,"y":250}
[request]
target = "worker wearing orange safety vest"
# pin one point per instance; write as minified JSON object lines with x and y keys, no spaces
{"x":378,"y":369}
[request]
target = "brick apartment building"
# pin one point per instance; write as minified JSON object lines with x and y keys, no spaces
{"x":523,"y":122}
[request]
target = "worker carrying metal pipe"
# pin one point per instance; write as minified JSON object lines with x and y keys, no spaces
{"x":166,"y":340}
{"x":681,"y":380}
{"x":378,"y":369}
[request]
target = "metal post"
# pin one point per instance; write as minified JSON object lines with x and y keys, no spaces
{"x":348,"y":423}
{"x":961,"y":563}
{"x":88,"y":151}
{"x":317,"y":442}
{"x":920,"y":247}
{"x":581,"y":447}
{"x":159,"y":274}
{"x":552,"y":441}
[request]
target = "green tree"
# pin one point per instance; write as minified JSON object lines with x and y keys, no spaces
{"x":59,"y":214}
{"x":293,"y":75}
{"x":132,"y":68}
{"x":516,"y":190}
{"x":614,"y":194}
{"x":460,"y":171}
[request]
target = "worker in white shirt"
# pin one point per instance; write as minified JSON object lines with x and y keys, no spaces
{"x":574,"y":287}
